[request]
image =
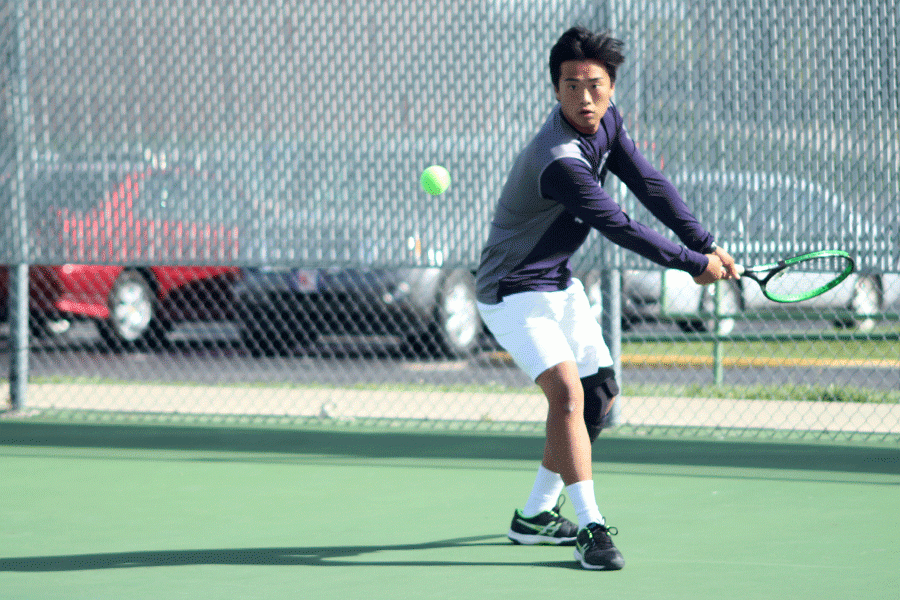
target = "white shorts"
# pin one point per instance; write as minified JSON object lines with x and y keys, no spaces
{"x":543,"y":329}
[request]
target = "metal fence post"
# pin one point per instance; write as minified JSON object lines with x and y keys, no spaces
{"x":718,"y":337}
{"x":611,"y":290}
{"x":18,"y":321}
{"x":18,"y":283}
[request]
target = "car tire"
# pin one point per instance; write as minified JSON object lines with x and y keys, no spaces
{"x":866,"y":301}
{"x":594,"y":291}
{"x":731,"y":305}
{"x":455,"y":330}
{"x":133,"y":321}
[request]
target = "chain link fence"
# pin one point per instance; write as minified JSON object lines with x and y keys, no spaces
{"x":210,"y":210}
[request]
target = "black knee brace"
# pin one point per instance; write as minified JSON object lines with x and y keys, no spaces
{"x":599,"y":391}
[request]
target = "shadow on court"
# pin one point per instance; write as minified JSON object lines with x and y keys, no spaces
{"x":463,"y":446}
{"x":323,"y":556}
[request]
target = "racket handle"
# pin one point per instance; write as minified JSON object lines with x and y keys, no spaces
{"x":740,"y":269}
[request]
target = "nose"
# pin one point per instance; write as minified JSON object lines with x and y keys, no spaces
{"x":586,"y":97}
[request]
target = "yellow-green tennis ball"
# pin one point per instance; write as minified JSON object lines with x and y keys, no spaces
{"x":435,"y":180}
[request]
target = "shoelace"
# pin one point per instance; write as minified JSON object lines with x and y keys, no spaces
{"x":602,"y":540}
{"x":559,"y":504}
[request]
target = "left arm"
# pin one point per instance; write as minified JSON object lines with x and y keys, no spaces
{"x":662,"y":199}
{"x":657,"y":193}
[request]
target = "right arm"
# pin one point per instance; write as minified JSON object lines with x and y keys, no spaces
{"x":570,"y":182}
{"x":657,"y":193}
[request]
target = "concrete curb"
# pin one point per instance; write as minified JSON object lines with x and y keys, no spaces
{"x":351,"y":404}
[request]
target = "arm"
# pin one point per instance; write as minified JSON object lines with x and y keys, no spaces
{"x":657,"y":193}
{"x":569,"y":182}
{"x":662,"y":199}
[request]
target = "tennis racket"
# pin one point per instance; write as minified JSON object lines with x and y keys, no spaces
{"x":801,"y":277}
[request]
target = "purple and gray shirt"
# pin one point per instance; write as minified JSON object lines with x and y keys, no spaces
{"x":554,"y":196}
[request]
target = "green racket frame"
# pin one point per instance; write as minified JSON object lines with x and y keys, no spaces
{"x":763,"y":274}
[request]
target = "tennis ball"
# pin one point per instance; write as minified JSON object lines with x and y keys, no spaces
{"x":435,"y":180}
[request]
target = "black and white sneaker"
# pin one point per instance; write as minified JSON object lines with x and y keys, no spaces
{"x":548,"y":527}
{"x":595,"y":550}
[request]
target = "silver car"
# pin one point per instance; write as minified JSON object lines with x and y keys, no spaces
{"x":431,"y":309}
{"x":747,"y":210}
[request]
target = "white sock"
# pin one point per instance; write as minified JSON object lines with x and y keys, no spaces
{"x":547,"y":488}
{"x":581,"y":494}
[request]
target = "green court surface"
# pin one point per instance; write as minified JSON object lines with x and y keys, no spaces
{"x":145,"y":511}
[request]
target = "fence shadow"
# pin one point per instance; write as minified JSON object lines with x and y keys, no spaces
{"x":373,"y":444}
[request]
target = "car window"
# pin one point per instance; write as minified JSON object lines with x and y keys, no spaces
{"x":761,"y":209}
{"x":164,"y":195}
{"x":188,"y":197}
{"x":67,"y":189}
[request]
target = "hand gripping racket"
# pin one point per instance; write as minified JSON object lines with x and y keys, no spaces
{"x":801,"y":277}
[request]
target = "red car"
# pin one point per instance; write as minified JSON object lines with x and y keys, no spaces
{"x":110,"y":222}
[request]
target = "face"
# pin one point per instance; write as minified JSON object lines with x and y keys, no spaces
{"x":584,"y":92}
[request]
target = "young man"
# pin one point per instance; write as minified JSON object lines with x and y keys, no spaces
{"x":540,"y":314}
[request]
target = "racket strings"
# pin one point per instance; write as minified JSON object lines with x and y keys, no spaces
{"x":808,"y":278}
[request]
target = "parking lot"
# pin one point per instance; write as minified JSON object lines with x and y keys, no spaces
{"x":216,"y":353}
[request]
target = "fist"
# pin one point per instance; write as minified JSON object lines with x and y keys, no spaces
{"x":715,"y":271}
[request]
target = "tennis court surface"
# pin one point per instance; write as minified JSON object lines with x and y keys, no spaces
{"x":156,"y":511}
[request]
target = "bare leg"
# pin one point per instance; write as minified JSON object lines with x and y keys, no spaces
{"x":568,"y":449}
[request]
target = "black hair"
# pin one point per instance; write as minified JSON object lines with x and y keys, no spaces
{"x":579,"y":43}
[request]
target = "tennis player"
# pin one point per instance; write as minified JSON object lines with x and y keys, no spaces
{"x":540,"y":314}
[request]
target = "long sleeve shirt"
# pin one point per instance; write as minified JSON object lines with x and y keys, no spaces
{"x":554,"y":196}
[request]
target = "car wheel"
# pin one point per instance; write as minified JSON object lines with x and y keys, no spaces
{"x":594,"y":293}
{"x":457,"y":322}
{"x":731,"y":305}
{"x":456,"y":327}
{"x":866,"y":301}
{"x":133,"y":315}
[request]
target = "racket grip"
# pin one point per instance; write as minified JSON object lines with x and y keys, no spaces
{"x":740,"y":269}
